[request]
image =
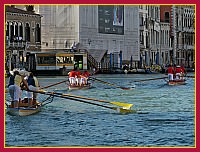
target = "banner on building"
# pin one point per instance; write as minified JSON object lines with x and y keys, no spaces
{"x":111,"y":19}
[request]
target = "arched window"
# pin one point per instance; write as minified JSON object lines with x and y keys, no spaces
{"x":20,"y":30}
{"x":37,"y":33}
{"x":7,"y":28}
{"x":167,"y":17}
{"x":27,"y":32}
{"x":12,"y":31}
{"x":16,"y":29}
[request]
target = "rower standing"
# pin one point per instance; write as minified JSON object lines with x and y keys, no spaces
{"x":170,"y":71}
{"x":15,"y":88}
{"x":78,"y":78}
{"x":11,"y":88}
{"x":178,"y":72}
{"x":83,"y":80}
{"x":86,"y":74}
{"x":34,"y":86}
{"x":183,"y":72}
{"x":72,"y":77}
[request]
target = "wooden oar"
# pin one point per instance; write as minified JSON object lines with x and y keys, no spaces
{"x":111,"y":84}
{"x":121,"y":110}
{"x":190,"y":76}
{"x":149,"y":79}
{"x":124,"y":105}
{"x":53,"y":84}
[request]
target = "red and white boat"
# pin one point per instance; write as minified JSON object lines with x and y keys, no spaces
{"x":176,"y":82}
{"x":83,"y":87}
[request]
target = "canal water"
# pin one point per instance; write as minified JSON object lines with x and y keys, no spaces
{"x":165,"y":116}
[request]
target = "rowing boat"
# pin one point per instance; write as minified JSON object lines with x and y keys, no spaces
{"x":176,"y":82}
{"x":23,"y":109}
{"x":83,"y":87}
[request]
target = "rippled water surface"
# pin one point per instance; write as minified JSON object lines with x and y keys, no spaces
{"x":164,"y":116}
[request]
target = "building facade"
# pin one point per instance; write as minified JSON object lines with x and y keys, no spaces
{"x":144,"y":34}
{"x":185,"y":33}
{"x":111,"y":28}
{"x":165,"y":38}
{"x":22,"y":34}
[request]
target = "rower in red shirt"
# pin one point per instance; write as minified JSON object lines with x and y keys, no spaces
{"x":178,"y":72}
{"x":170,"y":72}
{"x":72,"y":77}
{"x":78,"y":78}
{"x":183,"y":72}
{"x":86,"y":74}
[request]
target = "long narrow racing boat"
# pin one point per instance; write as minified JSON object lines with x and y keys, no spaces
{"x":23,"y":109}
{"x":83,"y":87}
{"x":176,"y":82}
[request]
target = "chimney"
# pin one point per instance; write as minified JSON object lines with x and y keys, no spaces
{"x":30,"y":8}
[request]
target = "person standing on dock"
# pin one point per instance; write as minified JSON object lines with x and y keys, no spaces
{"x":170,"y":72}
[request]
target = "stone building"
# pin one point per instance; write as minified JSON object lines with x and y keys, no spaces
{"x":165,"y":35}
{"x":144,"y":34}
{"x":96,"y":27}
{"x":185,"y":33}
{"x":182,"y":33}
{"x":22,"y":34}
{"x":154,"y":33}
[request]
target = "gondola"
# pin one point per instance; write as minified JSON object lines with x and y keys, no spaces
{"x":23,"y":109}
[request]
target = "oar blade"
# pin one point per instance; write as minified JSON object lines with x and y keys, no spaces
{"x":124,"y":111}
{"x":126,"y":88}
{"x":121,"y":104}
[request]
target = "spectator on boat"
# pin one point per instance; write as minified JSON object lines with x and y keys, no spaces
{"x":33,"y":85}
{"x":170,"y":72}
{"x":15,"y":88}
{"x":72,"y":77}
{"x":178,"y":72}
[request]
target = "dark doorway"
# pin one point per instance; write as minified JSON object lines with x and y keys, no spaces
{"x":78,"y":62}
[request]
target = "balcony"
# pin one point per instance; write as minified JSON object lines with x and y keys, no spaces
{"x":188,"y":29}
{"x":21,"y":44}
{"x":188,"y":47}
